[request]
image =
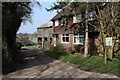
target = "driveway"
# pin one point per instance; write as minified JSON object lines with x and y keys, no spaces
{"x":39,"y":65}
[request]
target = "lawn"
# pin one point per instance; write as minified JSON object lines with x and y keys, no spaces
{"x":34,"y":46}
{"x":92,"y":64}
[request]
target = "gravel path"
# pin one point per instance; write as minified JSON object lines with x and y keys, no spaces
{"x":39,"y":65}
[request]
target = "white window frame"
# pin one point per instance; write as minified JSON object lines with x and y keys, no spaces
{"x":92,"y":13}
{"x":78,"y":36}
{"x":76,"y":20}
{"x":64,"y":19}
{"x":64,"y":36}
{"x":56,"y":22}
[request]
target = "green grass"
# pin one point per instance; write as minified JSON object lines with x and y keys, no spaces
{"x":93,"y":64}
{"x":29,"y":46}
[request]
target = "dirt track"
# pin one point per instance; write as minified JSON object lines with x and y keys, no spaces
{"x":39,"y":65}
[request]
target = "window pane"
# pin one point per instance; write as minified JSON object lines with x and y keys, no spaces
{"x":67,"y":39}
{"x":63,"y":39}
{"x":67,"y":34}
{"x":82,"y":40}
{"x":74,"y":39}
{"x":91,"y":15}
{"x":75,"y":34}
{"x":79,"y":17}
{"x":79,"y":40}
{"x":64,"y":21}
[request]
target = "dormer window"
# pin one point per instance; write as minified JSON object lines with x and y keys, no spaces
{"x":77,"y":19}
{"x":56,"y":22}
{"x":64,"y":21}
{"x":91,"y":15}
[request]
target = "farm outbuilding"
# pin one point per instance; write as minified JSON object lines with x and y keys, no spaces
{"x":44,"y":35}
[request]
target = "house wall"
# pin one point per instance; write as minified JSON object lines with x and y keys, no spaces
{"x":70,"y":46}
{"x":67,"y":45}
{"x":44,"y":32}
{"x":70,"y":21}
{"x":77,"y":28}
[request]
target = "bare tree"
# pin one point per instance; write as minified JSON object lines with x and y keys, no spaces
{"x":107,"y":17}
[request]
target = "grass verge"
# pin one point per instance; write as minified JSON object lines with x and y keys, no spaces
{"x":29,"y":46}
{"x":92,"y":64}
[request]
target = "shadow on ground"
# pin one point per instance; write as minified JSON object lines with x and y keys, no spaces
{"x":30,"y":58}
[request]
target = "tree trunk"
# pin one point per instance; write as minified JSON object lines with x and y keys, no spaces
{"x":86,"y":33}
{"x":105,"y":49}
{"x":110,"y":51}
{"x":105,"y":56}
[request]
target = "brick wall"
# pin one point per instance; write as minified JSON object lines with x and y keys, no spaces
{"x":69,"y":45}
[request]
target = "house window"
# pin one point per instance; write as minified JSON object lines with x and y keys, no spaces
{"x":77,"y":19}
{"x":91,"y":15}
{"x":78,"y":39}
{"x":74,"y":19}
{"x":65,"y":38}
{"x":56,"y":22}
{"x":64,"y":21}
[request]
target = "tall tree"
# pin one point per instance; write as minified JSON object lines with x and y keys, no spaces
{"x":13,"y":13}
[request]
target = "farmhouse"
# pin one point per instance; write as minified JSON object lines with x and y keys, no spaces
{"x":69,"y":29}
{"x":44,"y":35}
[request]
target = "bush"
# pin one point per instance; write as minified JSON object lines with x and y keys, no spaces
{"x":70,"y":49}
{"x":51,"y":47}
{"x":56,"y":54}
{"x":59,"y":47}
{"x":19,"y":45}
{"x":78,"y":48}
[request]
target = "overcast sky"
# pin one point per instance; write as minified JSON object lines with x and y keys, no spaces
{"x":39,"y":17}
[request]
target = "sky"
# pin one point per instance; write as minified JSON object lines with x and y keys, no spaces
{"x":39,"y":17}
